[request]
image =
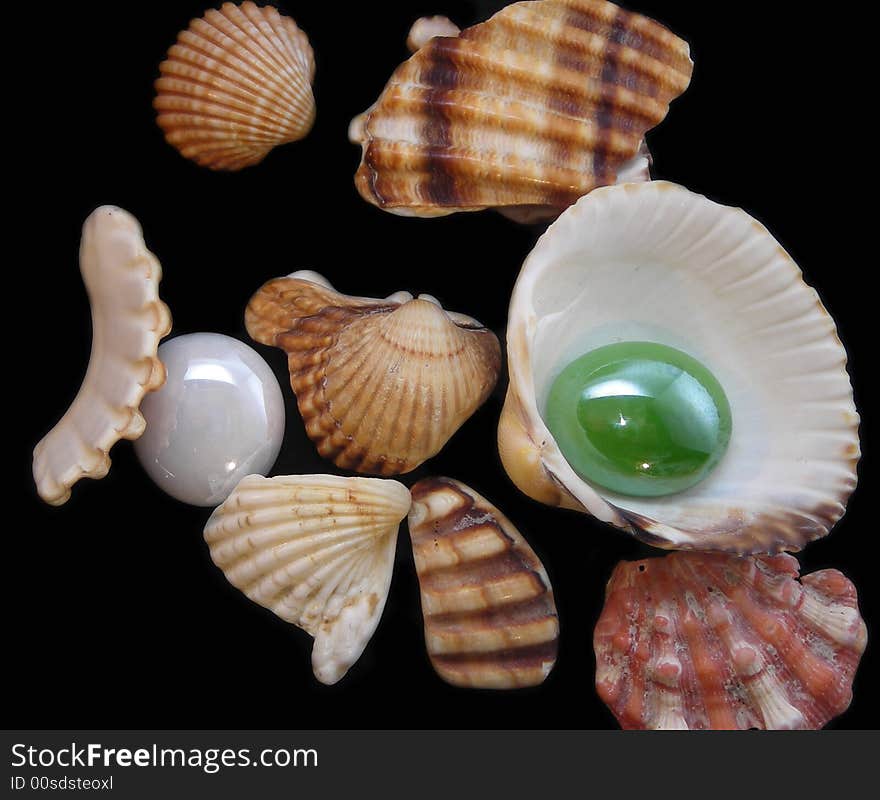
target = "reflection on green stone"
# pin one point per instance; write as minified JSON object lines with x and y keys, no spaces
{"x":639,"y":418}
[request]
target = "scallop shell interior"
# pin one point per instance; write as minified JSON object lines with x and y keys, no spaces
{"x":655,"y":262}
{"x":490,"y":617}
{"x":128,"y":321}
{"x":318,"y":551}
{"x":529,"y":110}
{"x":237,"y":83}
{"x":381,"y":384}
{"x":712,"y":641}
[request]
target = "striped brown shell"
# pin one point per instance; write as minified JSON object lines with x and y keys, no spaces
{"x":381,"y":384}
{"x":236,"y":83}
{"x":534,"y":108}
{"x":490,"y":618}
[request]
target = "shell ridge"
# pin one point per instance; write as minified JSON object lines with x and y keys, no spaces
{"x":805,"y":664}
{"x":337,"y":577}
{"x":580,"y":92}
{"x":270,"y":566}
{"x":571,"y":44}
{"x":217,"y":97}
{"x":257,"y":20}
{"x":298,"y":69}
{"x":234,"y":554}
{"x":233,"y":75}
{"x":307,"y":604}
{"x":190,"y":53}
{"x":217,"y":118}
{"x":353,"y":447}
{"x":236,"y":28}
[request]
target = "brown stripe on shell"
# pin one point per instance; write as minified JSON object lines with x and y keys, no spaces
{"x":478,"y":121}
{"x":489,"y":614}
{"x":440,"y":188}
{"x":478,"y":670}
{"x":605,"y":111}
{"x":640,"y":33}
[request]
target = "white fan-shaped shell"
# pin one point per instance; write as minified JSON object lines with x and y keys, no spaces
{"x":237,"y":83}
{"x":128,"y":320}
{"x":318,"y":551}
{"x":656,"y":262}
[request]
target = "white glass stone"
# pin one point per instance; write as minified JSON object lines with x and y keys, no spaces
{"x":219,"y":417}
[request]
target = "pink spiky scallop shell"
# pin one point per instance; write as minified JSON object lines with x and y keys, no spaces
{"x":236,"y":83}
{"x":712,"y":641}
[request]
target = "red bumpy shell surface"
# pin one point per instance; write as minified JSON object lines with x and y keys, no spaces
{"x":713,"y":641}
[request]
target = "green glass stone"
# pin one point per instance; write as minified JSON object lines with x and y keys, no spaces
{"x":639,"y":418}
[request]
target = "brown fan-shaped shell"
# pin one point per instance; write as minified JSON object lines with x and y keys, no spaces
{"x":490,"y":617}
{"x":381,"y":384}
{"x":237,"y":83}
{"x":534,"y":108}
{"x":707,"y":640}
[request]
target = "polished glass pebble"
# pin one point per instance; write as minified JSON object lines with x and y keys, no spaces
{"x":639,"y":418}
{"x":218,"y":418}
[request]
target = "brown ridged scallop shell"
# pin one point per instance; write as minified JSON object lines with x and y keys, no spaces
{"x":381,"y":384}
{"x":237,"y":83}
{"x":535,"y":107}
{"x":490,"y":617}
{"x":714,"y":641}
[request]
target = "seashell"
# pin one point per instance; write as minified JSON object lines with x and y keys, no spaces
{"x":490,"y":617}
{"x":426,"y":28}
{"x":655,"y":262}
{"x":318,"y":551}
{"x":713,"y":641}
{"x":128,"y":320}
{"x":381,"y":385}
{"x":237,"y":83}
{"x":526,"y":112}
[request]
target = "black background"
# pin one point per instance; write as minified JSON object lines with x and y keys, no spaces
{"x":114,"y":615}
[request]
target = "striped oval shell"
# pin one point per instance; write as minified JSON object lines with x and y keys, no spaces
{"x":128,"y":321}
{"x":528,"y":111}
{"x":237,"y":83}
{"x":490,"y":618}
{"x":318,"y":551}
{"x":712,"y":641}
{"x":381,"y":384}
{"x":655,"y":262}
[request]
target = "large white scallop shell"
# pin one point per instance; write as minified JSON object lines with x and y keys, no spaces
{"x":655,"y":262}
{"x":318,"y":551}
{"x":128,"y":320}
{"x":237,"y":83}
